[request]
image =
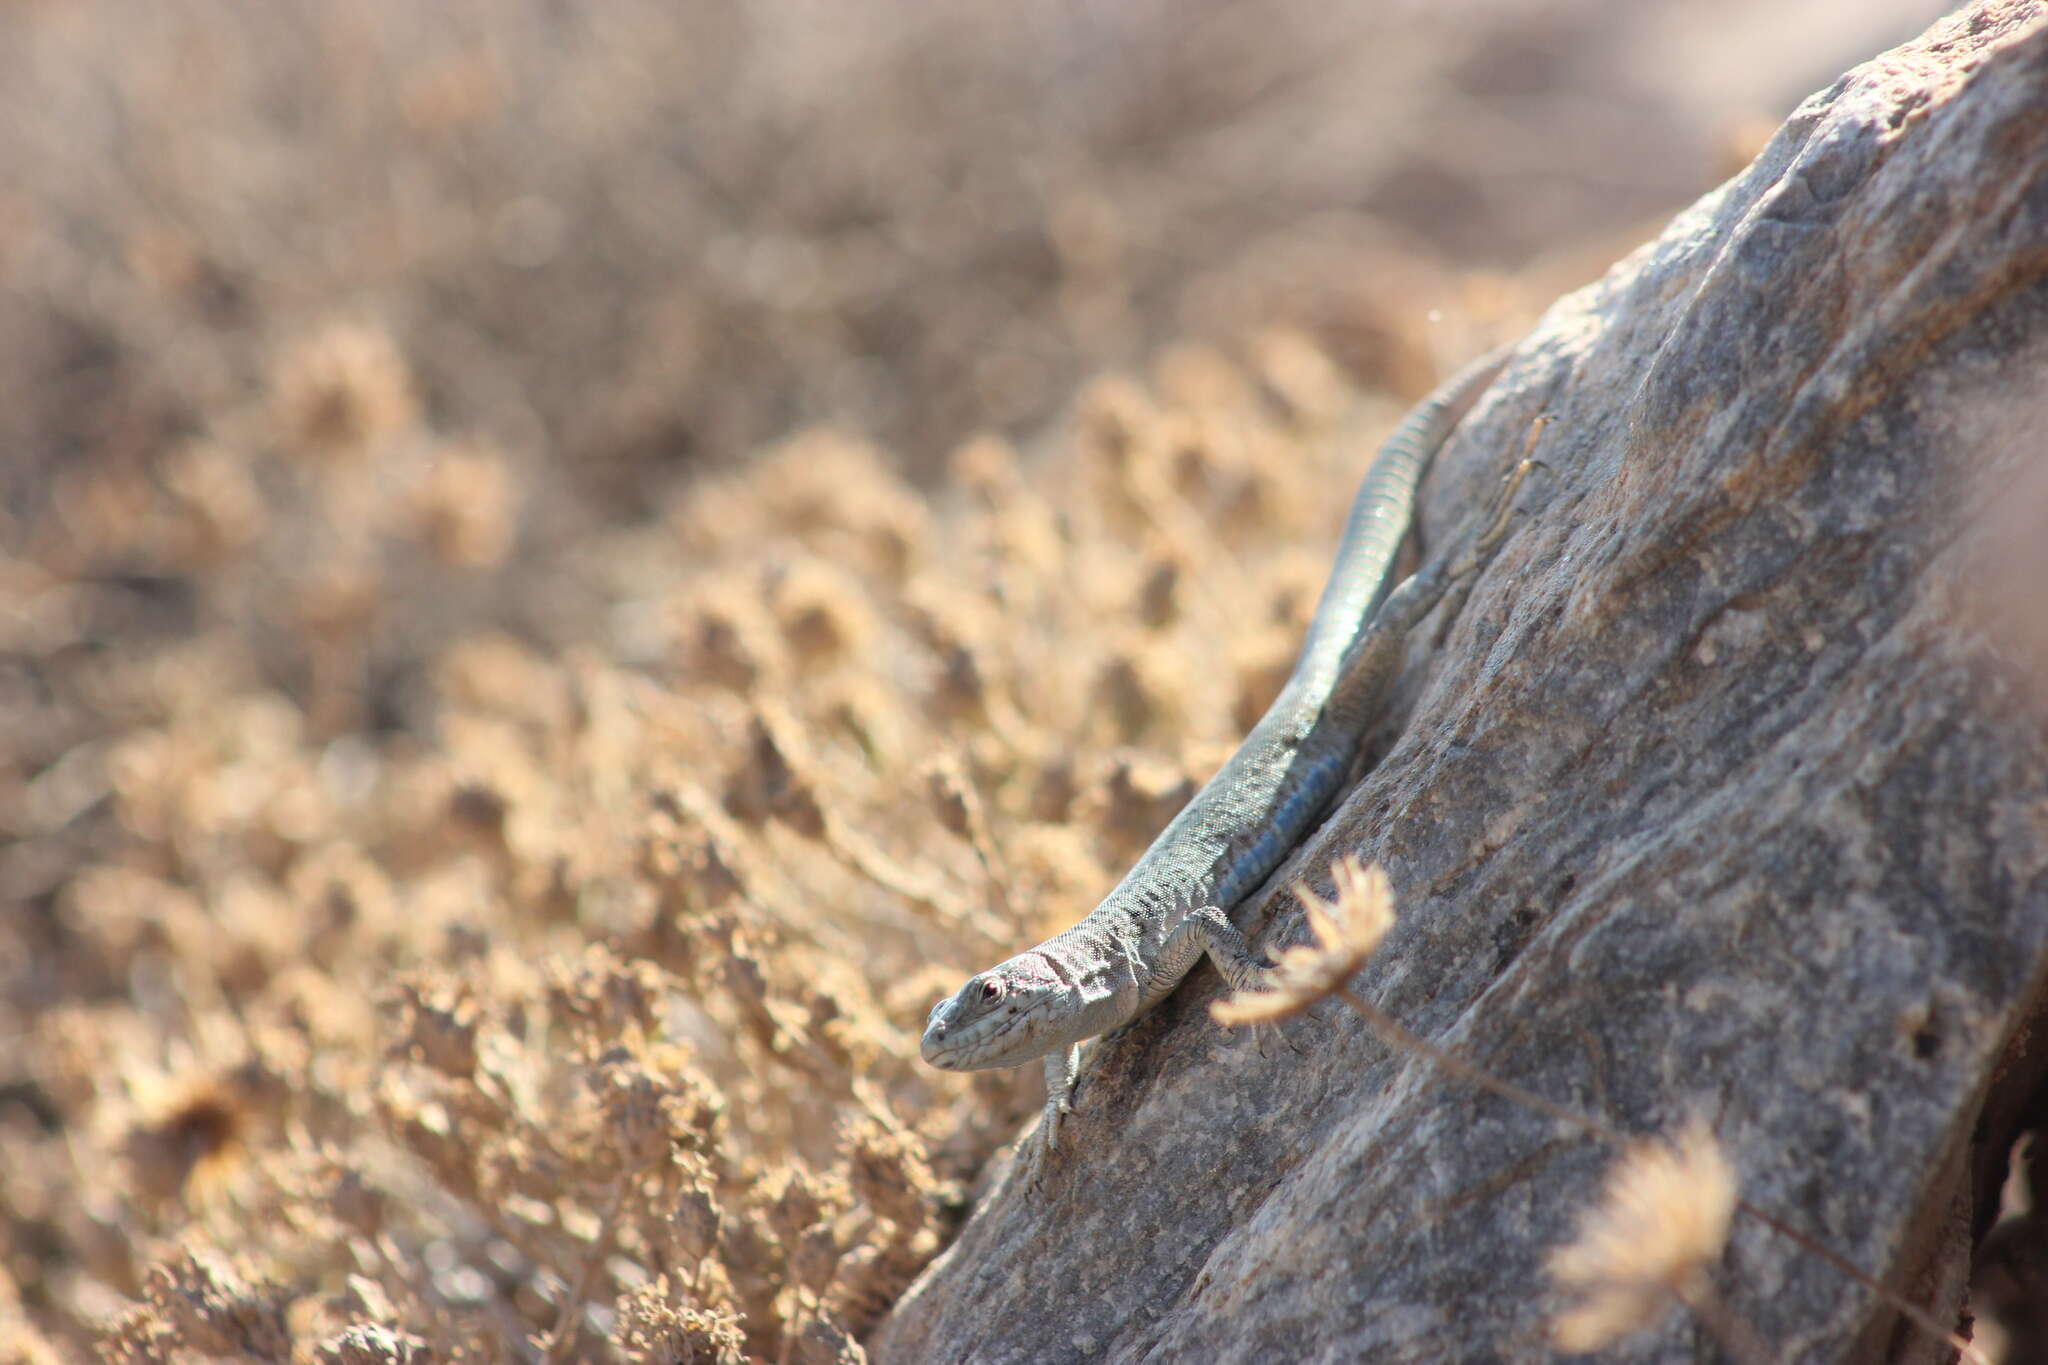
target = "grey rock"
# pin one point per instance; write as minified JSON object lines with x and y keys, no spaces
{"x":1726,"y":795}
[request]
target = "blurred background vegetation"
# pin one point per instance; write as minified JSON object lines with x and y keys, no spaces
{"x":428,"y":634}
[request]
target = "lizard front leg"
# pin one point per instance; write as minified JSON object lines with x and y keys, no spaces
{"x":1062,"y":1066}
{"x":1205,"y":930}
{"x":1208,"y":930}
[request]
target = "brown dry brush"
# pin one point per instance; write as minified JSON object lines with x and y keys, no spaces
{"x":572,"y":1009}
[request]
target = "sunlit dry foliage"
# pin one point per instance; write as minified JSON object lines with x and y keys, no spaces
{"x":571,"y":996}
{"x":492,"y":790}
{"x":342,"y":393}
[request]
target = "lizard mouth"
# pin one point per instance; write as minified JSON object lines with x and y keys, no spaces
{"x":952,"y":1049}
{"x":967,"y":1047}
{"x":999,"y":1018}
{"x":936,"y":1047}
{"x":938,"y":1052}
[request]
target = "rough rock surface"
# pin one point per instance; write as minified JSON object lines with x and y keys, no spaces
{"x":1726,"y":794}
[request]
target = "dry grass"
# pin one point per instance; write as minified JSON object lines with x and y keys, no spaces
{"x":585,"y":1010}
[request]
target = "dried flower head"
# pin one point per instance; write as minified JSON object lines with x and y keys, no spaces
{"x":1141,"y":687}
{"x":1140,"y":793}
{"x":1054,"y":787}
{"x":1346,"y":931}
{"x":874,"y":1275}
{"x":599,"y":999}
{"x":202,"y":1128}
{"x":1661,"y":1222}
{"x":862,"y":710}
{"x":692,"y":857}
{"x":726,"y":635}
{"x":1111,"y":418}
{"x":466,"y":508}
{"x":778,"y":777}
{"x":888,"y":1168}
{"x":369,"y":1343}
{"x":217,"y":509}
{"x":694,"y":1227}
{"x":1196,"y":375}
{"x":1160,"y":592}
{"x":823,"y":612}
{"x":823,"y":1341}
{"x":840,"y":498}
{"x":794,"y":1197}
{"x":657,"y":1323}
{"x":814,"y":1257}
{"x":210,"y":1306}
{"x":952,"y":795}
{"x":342,"y":393}
{"x":1303,"y":381}
{"x":440,"y":1021}
{"x":987,"y":465}
{"x":641,"y":1114}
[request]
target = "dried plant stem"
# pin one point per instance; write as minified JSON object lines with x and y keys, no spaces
{"x":564,"y":1334}
{"x":1915,"y":1314}
{"x":1396,"y":1036}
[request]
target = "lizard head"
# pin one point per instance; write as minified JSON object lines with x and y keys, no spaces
{"x":1001,"y":1017}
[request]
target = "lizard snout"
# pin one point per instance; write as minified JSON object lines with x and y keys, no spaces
{"x":933,"y":1045}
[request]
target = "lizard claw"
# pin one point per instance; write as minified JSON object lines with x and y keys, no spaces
{"x":1037,"y":1158}
{"x":1041,"y":1142}
{"x":1260,"y":1032}
{"x":1294,"y":1047}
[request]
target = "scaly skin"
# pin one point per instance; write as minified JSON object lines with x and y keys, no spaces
{"x":1173,"y":905}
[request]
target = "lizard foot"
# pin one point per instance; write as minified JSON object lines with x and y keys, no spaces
{"x":1042,"y":1141}
{"x":1276,"y":1029}
{"x":1209,"y":929}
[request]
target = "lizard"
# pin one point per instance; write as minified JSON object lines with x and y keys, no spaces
{"x":1174,"y":904}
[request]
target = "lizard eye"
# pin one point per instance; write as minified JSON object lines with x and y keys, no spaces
{"x":991,"y":990}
